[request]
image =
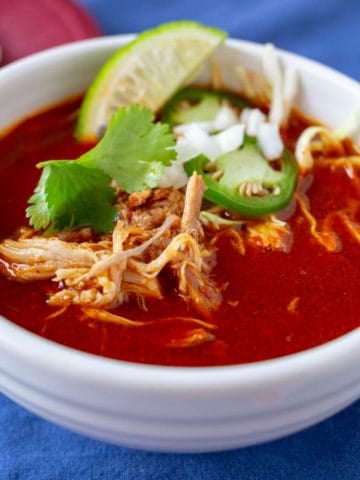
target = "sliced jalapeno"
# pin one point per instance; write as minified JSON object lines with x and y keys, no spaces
{"x":197,"y":104}
{"x":245,"y":182}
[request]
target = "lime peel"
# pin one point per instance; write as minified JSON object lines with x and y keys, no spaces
{"x":147,"y":71}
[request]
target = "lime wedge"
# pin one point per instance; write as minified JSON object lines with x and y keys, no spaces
{"x":147,"y":72}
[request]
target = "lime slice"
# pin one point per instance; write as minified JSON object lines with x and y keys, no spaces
{"x":147,"y":72}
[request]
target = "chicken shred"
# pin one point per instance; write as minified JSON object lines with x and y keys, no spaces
{"x":194,"y":194}
{"x":158,"y":229}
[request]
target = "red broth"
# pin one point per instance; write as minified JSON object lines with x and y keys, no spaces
{"x":275,"y":304}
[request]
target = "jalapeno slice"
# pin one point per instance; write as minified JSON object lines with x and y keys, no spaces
{"x":198,"y":104}
{"x":243,"y":181}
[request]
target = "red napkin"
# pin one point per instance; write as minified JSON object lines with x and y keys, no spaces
{"x":27,"y":27}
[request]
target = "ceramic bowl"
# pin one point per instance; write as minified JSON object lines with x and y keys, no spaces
{"x":168,"y":408}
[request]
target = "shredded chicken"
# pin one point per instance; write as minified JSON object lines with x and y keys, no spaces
{"x":190,"y":220}
{"x":158,"y":229}
{"x":164,"y":230}
{"x":269,"y":233}
{"x":316,"y":139}
{"x":39,"y":258}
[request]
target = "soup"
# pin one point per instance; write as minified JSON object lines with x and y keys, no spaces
{"x":274,"y":301}
{"x":224,"y":231}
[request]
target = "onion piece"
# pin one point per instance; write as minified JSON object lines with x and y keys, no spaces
{"x":270,"y":142}
{"x":226,"y":117}
{"x":230,"y":139}
{"x":195,"y":141}
{"x":252,"y":118}
{"x":284,"y":83}
{"x":173,"y":176}
{"x":273,"y":72}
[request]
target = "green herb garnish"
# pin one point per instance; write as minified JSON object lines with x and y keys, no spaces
{"x":75,"y":193}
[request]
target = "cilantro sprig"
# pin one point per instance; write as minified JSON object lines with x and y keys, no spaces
{"x":75,"y":193}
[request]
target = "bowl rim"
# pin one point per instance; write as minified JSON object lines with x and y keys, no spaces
{"x":108,"y":41}
{"x":58,"y":357}
{"x":63,"y":358}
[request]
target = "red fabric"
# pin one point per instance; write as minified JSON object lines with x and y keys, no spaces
{"x":27,"y":27}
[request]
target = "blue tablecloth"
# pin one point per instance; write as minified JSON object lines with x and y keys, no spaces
{"x":33,"y":449}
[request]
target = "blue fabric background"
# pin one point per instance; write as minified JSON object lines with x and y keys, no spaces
{"x":33,"y":449}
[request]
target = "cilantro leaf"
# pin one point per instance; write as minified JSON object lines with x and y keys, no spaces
{"x":71,"y":195}
{"x":38,"y":212}
{"x":133,"y":150}
{"x":74,"y":193}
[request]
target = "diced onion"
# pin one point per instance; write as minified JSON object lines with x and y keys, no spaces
{"x":225,"y":118}
{"x":270,"y":142}
{"x":195,"y":138}
{"x":273,"y":72}
{"x":230,"y":139}
{"x":173,"y":176}
{"x":252,"y":118}
{"x":244,"y":115}
{"x":284,"y":83}
{"x":196,"y":141}
{"x":182,"y":128}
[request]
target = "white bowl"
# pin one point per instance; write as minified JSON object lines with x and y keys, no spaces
{"x":168,"y":408}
